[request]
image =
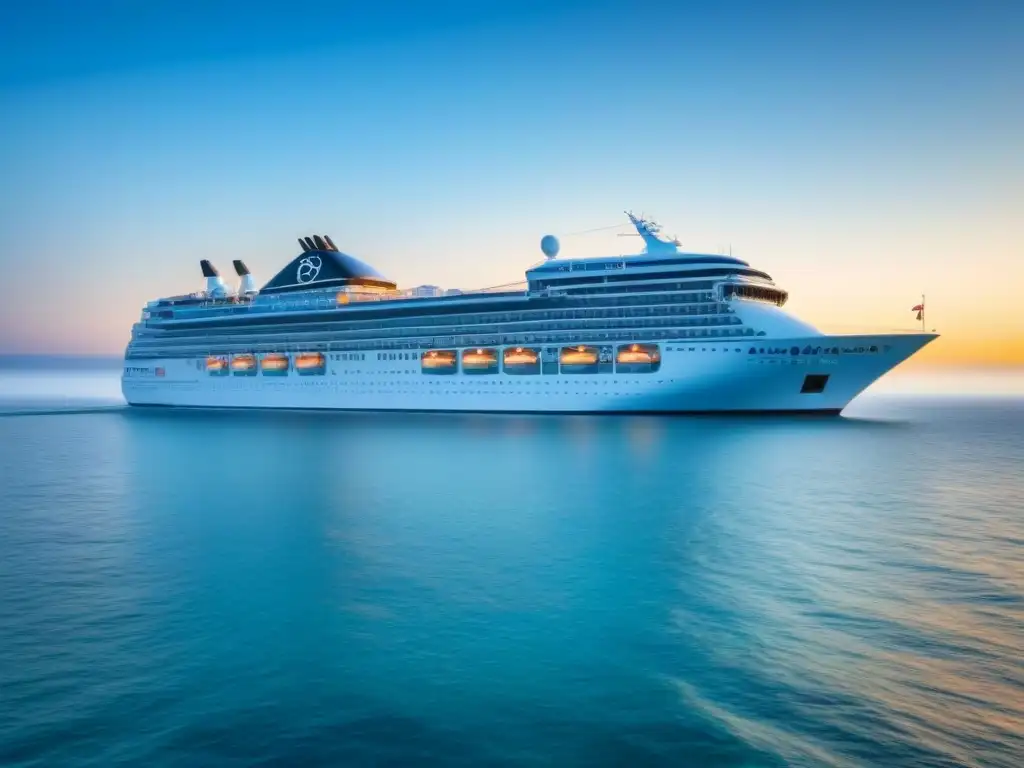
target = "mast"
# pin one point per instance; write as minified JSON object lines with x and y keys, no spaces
{"x":650,"y":231}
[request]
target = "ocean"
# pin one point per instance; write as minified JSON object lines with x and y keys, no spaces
{"x":257,"y":588}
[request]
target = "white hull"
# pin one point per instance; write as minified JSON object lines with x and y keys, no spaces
{"x":695,"y":376}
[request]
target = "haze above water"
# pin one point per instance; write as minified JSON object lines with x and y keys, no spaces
{"x":187,"y":588}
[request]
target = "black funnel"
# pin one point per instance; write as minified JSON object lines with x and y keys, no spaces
{"x":330,"y":243}
{"x":320,"y":244}
{"x":208,"y":269}
{"x":302,"y":244}
{"x":240,"y":269}
{"x":310,"y":245}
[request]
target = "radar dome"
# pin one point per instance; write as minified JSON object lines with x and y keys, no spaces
{"x":549,"y":245}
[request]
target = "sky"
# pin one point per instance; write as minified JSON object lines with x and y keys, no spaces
{"x":863,"y":154}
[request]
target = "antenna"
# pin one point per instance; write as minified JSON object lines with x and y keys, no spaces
{"x":650,"y":231}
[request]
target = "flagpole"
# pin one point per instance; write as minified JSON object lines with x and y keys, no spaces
{"x":922,"y":312}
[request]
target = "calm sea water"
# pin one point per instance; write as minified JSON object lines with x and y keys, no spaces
{"x":189,"y":589}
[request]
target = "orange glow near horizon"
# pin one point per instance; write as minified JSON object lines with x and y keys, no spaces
{"x":998,"y":350}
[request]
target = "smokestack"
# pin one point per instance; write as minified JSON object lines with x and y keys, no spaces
{"x":311,"y":245}
{"x":330,"y":243}
{"x":320,"y":244}
{"x":247,"y":286}
{"x":214,"y":285}
{"x":302,"y":244}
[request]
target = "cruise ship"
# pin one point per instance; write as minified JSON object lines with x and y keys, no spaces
{"x":661,"y":331}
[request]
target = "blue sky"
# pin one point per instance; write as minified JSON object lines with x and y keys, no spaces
{"x":860,"y":153}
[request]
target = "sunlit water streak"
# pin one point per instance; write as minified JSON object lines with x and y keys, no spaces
{"x":182,"y":588}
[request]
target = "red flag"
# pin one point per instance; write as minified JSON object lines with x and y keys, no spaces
{"x":918,"y":308}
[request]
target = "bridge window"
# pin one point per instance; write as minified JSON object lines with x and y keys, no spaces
{"x":756,"y":293}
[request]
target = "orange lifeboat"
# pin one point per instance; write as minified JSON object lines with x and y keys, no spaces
{"x":310,"y":363}
{"x":579,"y":359}
{"x":243,"y":365}
{"x":442,"y":361}
{"x":638,"y":358}
{"x":521,"y":360}
{"x":274,"y":364}
{"x":579,"y":355}
{"x":480,"y":361}
{"x":216,"y":365}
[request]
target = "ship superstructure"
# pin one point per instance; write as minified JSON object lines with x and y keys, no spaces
{"x":658,"y":331}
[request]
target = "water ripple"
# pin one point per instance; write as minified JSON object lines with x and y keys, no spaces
{"x":316,"y":589}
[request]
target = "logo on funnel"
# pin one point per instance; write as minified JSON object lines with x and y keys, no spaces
{"x":308,"y":269}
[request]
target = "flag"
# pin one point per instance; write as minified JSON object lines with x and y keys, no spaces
{"x":919,"y":308}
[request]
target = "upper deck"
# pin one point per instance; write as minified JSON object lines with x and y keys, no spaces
{"x":323,"y":279}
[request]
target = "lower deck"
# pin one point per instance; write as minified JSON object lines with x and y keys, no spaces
{"x":809,"y":374}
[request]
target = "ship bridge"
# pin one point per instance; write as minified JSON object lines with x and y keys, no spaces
{"x":660,"y":262}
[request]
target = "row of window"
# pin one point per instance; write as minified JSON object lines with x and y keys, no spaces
{"x":456,"y":312}
{"x":221,"y":346}
{"x":793,"y":351}
{"x":540,"y":310}
{"x":756,"y":293}
{"x":484,"y":330}
{"x":599,"y":290}
{"x":328,"y":299}
{"x":577,"y":279}
{"x":634,"y":263}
